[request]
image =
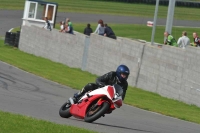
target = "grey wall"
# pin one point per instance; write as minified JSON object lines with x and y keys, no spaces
{"x":106,"y":54}
{"x":169,"y":71}
{"x":58,"y":47}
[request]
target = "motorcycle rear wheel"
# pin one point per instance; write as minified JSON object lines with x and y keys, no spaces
{"x":96,"y":113}
{"x":64,"y":111}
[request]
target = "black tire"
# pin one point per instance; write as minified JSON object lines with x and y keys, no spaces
{"x":64,"y":111}
{"x":100,"y":112}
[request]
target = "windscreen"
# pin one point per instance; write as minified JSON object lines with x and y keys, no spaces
{"x":118,"y":89}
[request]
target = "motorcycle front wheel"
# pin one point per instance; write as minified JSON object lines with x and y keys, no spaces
{"x":64,"y":111}
{"x":95,"y":112}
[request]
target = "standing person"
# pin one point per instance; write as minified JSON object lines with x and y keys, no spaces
{"x":184,"y":40}
{"x":109,"y":32}
{"x":196,"y":39}
{"x":119,"y":77}
{"x":87,"y":30}
{"x":47,"y":25}
{"x":170,"y":40}
{"x":100,"y":28}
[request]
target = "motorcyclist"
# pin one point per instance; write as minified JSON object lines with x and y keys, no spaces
{"x":119,"y":77}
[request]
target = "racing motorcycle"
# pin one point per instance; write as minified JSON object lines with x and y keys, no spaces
{"x":94,"y":104}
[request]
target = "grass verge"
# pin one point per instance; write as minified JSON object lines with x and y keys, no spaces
{"x":13,"y":123}
{"x":76,"y":79}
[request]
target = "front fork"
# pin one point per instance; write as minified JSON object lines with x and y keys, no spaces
{"x":71,"y":100}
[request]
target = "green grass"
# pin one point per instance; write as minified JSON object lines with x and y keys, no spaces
{"x":13,"y":123}
{"x":15,"y":29}
{"x":61,"y":73}
{"x":154,"y":102}
{"x":105,"y":7}
{"x":66,"y":75}
{"x":143,"y":32}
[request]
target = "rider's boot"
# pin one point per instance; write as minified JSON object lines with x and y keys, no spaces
{"x":78,"y":95}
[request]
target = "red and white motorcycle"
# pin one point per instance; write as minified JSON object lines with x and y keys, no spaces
{"x":94,"y":104}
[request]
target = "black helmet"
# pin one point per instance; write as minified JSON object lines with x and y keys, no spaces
{"x":122,"y":69}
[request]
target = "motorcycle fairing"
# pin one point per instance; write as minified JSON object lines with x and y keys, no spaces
{"x":117,"y":103}
{"x":79,"y":110}
{"x":109,"y":91}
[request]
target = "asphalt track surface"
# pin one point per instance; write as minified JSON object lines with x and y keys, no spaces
{"x":11,"y":19}
{"x":27,"y":94}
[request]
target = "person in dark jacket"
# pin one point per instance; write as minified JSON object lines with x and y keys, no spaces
{"x":119,"y":77}
{"x":88,"y":30}
{"x":109,"y":32}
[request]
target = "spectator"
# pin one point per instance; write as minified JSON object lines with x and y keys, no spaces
{"x":70,"y":25}
{"x":62,"y":26}
{"x":68,"y":29}
{"x":88,"y":30}
{"x":68,"y":22}
{"x":109,"y":32}
{"x":184,"y":40}
{"x":65,"y":28}
{"x":100,"y":28}
{"x":47,"y":25}
{"x":196,"y":40}
{"x":170,"y":40}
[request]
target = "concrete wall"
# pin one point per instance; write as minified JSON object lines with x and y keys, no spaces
{"x":106,"y":54}
{"x":169,"y":71}
{"x":38,"y":23}
{"x":64,"y":48}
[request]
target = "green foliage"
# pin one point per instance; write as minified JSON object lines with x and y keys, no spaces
{"x":66,"y":75}
{"x":13,"y":123}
